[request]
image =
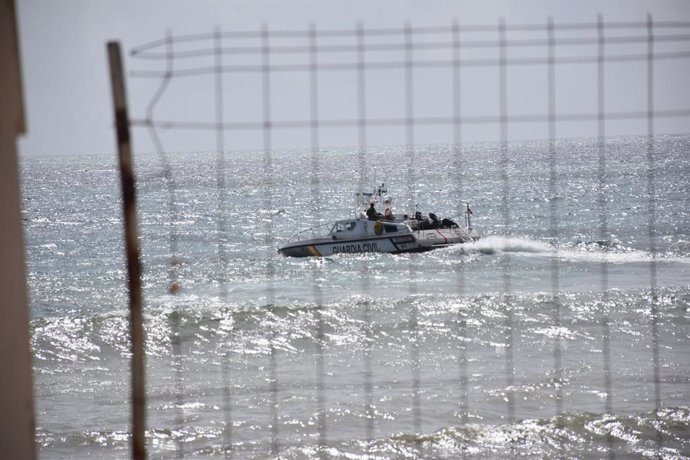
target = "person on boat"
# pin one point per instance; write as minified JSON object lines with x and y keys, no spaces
{"x":388,"y":214}
{"x":371,"y":212}
{"x":435,"y":223}
{"x":422,"y":222}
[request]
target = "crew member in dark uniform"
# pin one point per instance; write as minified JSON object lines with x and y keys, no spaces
{"x":371,"y":212}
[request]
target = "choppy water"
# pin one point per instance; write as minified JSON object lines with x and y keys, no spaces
{"x":544,"y":339}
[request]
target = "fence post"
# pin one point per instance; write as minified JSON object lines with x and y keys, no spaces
{"x":132,"y":249}
{"x":17,"y":420}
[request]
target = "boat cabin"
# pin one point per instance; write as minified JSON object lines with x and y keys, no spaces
{"x":357,"y":228}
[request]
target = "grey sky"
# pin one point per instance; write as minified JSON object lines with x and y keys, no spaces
{"x":67,"y":90}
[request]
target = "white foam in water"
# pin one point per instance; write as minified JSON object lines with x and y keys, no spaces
{"x":495,"y":244}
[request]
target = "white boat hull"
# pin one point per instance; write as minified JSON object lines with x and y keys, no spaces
{"x":416,"y":241}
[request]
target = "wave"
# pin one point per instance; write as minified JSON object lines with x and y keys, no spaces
{"x":213,"y":325}
{"x":661,"y":434}
{"x":664,"y":433}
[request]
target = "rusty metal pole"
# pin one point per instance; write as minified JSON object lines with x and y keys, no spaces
{"x":132,"y":250}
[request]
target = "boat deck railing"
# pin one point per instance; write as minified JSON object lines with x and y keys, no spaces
{"x":318,"y":231}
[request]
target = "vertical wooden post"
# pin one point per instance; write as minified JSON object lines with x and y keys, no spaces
{"x":132,"y":250}
{"x":17,"y":427}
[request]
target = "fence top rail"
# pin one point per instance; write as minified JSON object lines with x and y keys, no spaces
{"x":484,"y":62}
{"x":350,"y":48}
{"x":144,"y":51}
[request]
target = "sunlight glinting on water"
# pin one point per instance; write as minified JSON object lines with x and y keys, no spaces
{"x":369,"y":324}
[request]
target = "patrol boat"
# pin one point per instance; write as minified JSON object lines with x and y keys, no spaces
{"x":389,"y":232}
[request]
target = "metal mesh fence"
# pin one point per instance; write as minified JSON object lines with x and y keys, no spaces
{"x":367,"y":90}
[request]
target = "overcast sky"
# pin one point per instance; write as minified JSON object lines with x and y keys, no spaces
{"x":67,"y":92}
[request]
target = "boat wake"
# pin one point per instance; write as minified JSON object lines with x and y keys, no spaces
{"x":592,"y":252}
{"x":491,"y":245}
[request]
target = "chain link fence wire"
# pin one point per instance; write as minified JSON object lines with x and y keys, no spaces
{"x":266,"y":88}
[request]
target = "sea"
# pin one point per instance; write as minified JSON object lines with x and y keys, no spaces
{"x":563,"y":332}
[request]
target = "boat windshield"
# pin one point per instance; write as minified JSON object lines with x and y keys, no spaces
{"x":344,"y":226}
